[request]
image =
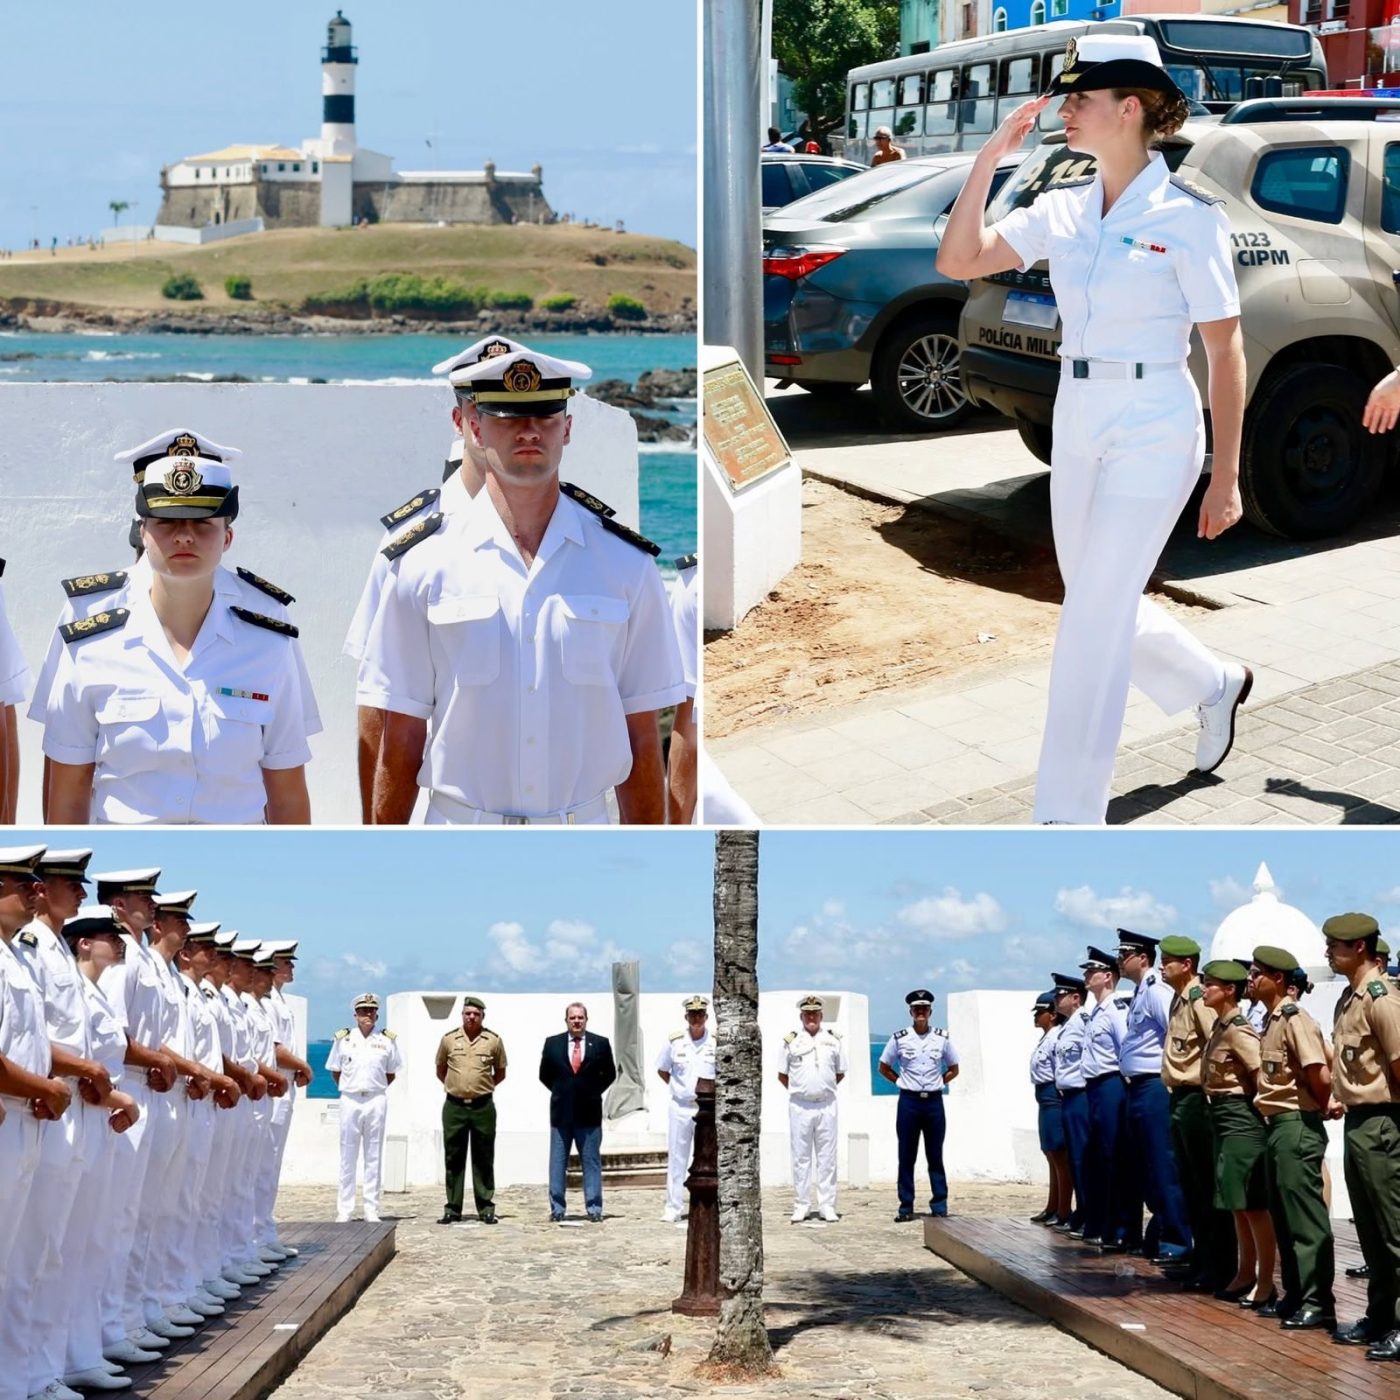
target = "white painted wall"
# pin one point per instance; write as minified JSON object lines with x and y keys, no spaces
{"x":321,"y":464}
{"x":172,"y":233}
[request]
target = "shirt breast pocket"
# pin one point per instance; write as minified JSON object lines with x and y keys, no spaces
{"x":590,"y":632}
{"x":469,"y":629}
{"x":233,"y":727}
{"x":1146,"y":277}
{"x":130,"y":730}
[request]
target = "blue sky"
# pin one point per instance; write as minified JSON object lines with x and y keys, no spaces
{"x":94,"y":99}
{"x":874,"y":912}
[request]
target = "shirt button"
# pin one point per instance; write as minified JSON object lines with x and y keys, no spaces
{"x":529,"y":787}
{"x":529,"y":690}
{"x":530,"y":739}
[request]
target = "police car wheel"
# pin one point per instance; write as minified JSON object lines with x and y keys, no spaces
{"x":1308,"y":468}
{"x":1037,"y":437}
{"x":916,"y":375}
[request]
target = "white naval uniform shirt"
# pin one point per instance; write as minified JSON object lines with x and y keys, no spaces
{"x":217,"y":1009}
{"x":24,"y":1038}
{"x":204,"y":1029}
{"x":107,"y":1039}
{"x":229,"y":590}
{"x":451,"y":498}
{"x":264,"y":1037}
{"x":1146,"y":1031}
{"x":527,"y":674}
{"x":1129,"y":286}
{"x":60,"y":981}
{"x":175,"y":1016}
{"x":685,"y":618}
{"x":364,"y":1062}
{"x":811,"y":1063}
{"x":687,"y":1060}
{"x":169,"y":744}
{"x":1043,"y":1057}
{"x":284,"y":1032}
{"x":15,"y":679}
{"x":133,"y":987}
{"x":918,"y":1059}
{"x":240,"y":1029}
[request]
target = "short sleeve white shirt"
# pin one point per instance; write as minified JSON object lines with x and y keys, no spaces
{"x":812,"y":1063}
{"x":133,"y":987}
{"x":685,"y":614}
{"x":687,"y":1061}
{"x":24,"y":1039}
{"x":364,"y":1062}
{"x":55,"y":971}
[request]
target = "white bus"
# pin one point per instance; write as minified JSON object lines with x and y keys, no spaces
{"x":951,"y":98}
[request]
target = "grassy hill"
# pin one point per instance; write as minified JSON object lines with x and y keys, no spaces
{"x":287,"y":265}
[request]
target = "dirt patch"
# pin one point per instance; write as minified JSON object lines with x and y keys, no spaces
{"x":887,"y":598}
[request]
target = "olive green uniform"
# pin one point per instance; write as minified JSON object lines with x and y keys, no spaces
{"x":1366,"y":1044}
{"x":1292,"y":1041}
{"x":469,"y":1114}
{"x":1231,"y":1067}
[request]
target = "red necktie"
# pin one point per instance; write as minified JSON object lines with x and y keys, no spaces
{"x":576,"y":1054}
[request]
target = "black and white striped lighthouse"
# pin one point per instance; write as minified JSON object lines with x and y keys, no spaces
{"x":338,"y":62}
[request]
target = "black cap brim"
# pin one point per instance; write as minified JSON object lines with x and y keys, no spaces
{"x":1115,"y":73}
{"x":546,"y":408}
{"x":226,"y":509}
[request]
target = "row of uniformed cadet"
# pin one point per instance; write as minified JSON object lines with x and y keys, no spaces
{"x":139,"y":1200}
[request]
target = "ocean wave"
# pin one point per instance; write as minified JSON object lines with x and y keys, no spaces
{"x":676,"y":449}
{"x":92,"y":355}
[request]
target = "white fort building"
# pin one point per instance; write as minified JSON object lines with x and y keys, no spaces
{"x":331,"y":181}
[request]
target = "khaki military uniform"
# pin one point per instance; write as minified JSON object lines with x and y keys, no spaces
{"x":469,"y":1115}
{"x":1230,"y":1068}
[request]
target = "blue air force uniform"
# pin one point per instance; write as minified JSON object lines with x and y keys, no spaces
{"x":1103,"y":1080}
{"x":1049,"y":1112}
{"x":1069,"y":1080}
{"x":921,"y":1063}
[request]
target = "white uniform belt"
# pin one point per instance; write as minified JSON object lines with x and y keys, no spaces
{"x":361,"y":1093}
{"x":1115,"y":369}
{"x":463,"y":814}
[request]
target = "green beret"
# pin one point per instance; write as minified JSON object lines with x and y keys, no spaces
{"x":1275,"y":959}
{"x":1178,"y":947}
{"x":1223,"y":970}
{"x":473,"y":1001}
{"x":1348,"y":928}
{"x":1382,"y":946}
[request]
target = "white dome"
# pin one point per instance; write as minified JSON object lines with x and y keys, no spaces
{"x":1267,"y":919}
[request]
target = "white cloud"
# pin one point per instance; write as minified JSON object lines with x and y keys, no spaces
{"x":349,"y":967}
{"x":1129,"y":908}
{"x":834,"y":909}
{"x":1228,"y":893}
{"x":569,"y":947}
{"x":572,"y":930}
{"x":949,"y":915}
{"x":686,"y":957}
{"x":515,"y":951}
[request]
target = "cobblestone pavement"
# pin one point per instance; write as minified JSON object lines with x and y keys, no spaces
{"x":529,"y":1310}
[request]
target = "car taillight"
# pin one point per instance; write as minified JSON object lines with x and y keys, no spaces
{"x":795,"y":263}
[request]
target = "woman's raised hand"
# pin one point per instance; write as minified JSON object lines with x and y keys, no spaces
{"x":1016,"y":127}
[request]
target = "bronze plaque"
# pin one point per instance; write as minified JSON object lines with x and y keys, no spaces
{"x":739,"y":431}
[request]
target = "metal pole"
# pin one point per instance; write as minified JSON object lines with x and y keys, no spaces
{"x":701,"y":1294}
{"x":733,"y":294}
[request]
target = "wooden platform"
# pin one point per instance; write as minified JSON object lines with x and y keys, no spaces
{"x":261,"y":1336}
{"x":1189,"y":1344}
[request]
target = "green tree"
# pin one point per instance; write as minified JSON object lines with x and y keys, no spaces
{"x":118,"y":208}
{"x":817,"y":42}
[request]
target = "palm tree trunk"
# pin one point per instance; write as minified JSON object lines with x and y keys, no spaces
{"x":741,"y":1343}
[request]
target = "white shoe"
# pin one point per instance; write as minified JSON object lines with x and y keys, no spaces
{"x":204,"y":1306}
{"x":96,"y":1379}
{"x":372,"y":1218}
{"x":112,"y":1368}
{"x":55,"y":1390}
{"x":147,"y":1340}
{"x":237,"y":1276}
{"x":289,"y":1251}
{"x":342,"y":1220}
{"x":800,"y":1213}
{"x":182,"y":1316}
{"x":171,"y":1331}
{"x":271,"y":1254}
{"x":255,"y":1267}
{"x":221,"y":1289}
{"x":670,"y":1215}
{"x":828,"y":1213}
{"x":126,"y":1352}
{"x":1217,"y":721}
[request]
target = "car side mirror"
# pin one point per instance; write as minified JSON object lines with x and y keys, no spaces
{"x":941,"y":223}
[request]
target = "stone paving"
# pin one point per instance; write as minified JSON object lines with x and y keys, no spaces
{"x":532,"y":1311}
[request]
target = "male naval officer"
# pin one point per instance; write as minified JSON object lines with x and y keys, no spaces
{"x":363,"y":1062}
{"x":533,"y":631}
{"x":686,"y":1058}
{"x":812,"y":1062}
{"x":471,"y":1062}
{"x":920,"y":1060}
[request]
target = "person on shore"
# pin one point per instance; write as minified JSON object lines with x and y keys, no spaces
{"x":920,"y":1060}
{"x":1050,"y":1116}
{"x":576,"y":1066}
{"x":364,"y":1062}
{"x":686,"y":1058}
{"x":178,"y":707}
{"x":471,"y":1063}
{"x":1231,"y":1080}
{"x":812,"y":1063}
{"x":1137,"y":256}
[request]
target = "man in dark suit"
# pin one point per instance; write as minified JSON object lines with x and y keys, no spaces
{"x":576,"y":1068}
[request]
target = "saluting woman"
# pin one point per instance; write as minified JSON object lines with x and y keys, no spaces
{"x":178,"y":707}
{"x":1136,"y":256}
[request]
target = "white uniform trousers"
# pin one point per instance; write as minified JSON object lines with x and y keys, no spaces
{"x":361,"y":1126}
{"x":128,"y":1179}
{"x":86,"y":1261}
{"x":236,"y":1244}
{"x":271,"y":1173}
{"x":259,"y":1137}
{"x":19,"y":1163}
{"x":812,"y":1128}
{"x":1127,"y":455}
{"x":34,"y":1273}
{"x":194,"y":1204}
{"x":160,"y":1220}
{"x":680,"y":1138}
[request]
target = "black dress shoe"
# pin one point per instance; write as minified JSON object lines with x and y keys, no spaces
{"x":1075,"y":1234}
{"x":1231,"y":1295}
{"x":1172,"y":1261}
{"x":1041,"y":1216}
{"x":448,"y":1218}
{"x":487,"y":1217}
{"x":1278,"y":1307}
{"x":1052,"y":1222}
{"x":1387,"y":1349}
{"x":1308,"y":1318}
{"x":1359,"y":1271}
{"x":1113,"y":1247}
{"x":1254,"y":1304}
{"x":1091,"y":1241}
{"x":903,"y":1217}
{"x":1359,"y":1334}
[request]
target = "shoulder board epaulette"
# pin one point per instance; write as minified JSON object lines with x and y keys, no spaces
{"x":1195,"y":994}
{"x":586,"y":499}
{"x":28,"y":939}
{"x":904,"y":1032}
{"x":834,"y":1032}
{"x":1151,"y":979}
{"x":789,"y":1037}
{"x":392,"y":1035}
{"x":415,"y":534}
{"x":210,"y":993}
{"x":1289,"y":1008}
{"x":82,"y":584}
{"x":272,"y":624}
{"x":341,"y":1033}
{"x":1122,"y":1003}
{"x":1376,"y":989}
{"x":678,"y":1035}
{"x":82,"y":627}
{"x":687,"y":561}
{"x":1196,"y":191}
{"x":263,"y":586}
{"x":938,"y":1030}
{"x":637,"y":541}
{"x":410,"y":507}
{"x":1240,"y":1020}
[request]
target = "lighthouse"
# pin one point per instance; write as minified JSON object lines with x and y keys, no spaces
{"x":338,"y":63}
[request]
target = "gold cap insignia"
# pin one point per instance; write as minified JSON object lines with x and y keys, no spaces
{"x":492,"y":350}
{"x":184,"y":445}
{"x":521,"y":378}
{"x":183,"y":481}
{"x":1071,"y":53}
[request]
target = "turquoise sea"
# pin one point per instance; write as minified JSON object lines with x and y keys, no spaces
{"x":668,"y":484}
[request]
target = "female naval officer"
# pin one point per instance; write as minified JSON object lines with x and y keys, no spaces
{"x":1137,"y":256}
{"x":178,"y":706}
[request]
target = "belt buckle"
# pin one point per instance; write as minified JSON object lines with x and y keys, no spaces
{"x":515,"y":821}
{"x":1081,"y":368}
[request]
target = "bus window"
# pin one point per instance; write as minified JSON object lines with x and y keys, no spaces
{"x":1018,"y":76}
{"x":941,"y":114}
{"x":860,"y":97}
{"x":908,"y":121}
{"x":882,"y":93}
{"x":911,"y":90}
{"x":978,"y":99}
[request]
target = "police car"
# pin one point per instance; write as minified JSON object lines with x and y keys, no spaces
{"x":1311,"y":187}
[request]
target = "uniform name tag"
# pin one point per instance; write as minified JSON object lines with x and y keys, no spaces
{"x":1144,"y":246}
